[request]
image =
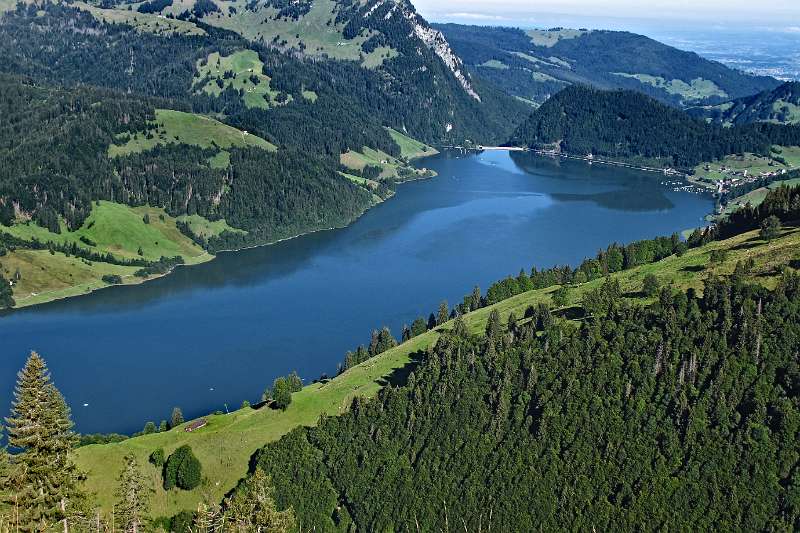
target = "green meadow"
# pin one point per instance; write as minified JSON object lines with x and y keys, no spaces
{"x":244,"y":71}
{"x":188,"y":128}
{"x":110,"y":228}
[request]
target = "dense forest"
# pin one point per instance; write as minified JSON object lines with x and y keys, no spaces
{"x":658,"y":417}
{"x":596,"y":58}
{"x":55,"y":147}
{"x":631,"y":126}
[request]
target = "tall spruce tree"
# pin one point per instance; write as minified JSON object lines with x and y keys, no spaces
{"x":6,"y":295}
{"x":133,"y":497}
{"x":252,"y":507}
{"x":46,"y":482}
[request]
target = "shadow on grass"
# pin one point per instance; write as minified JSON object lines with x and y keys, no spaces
{"x":795,"y":264}
{"x":748,"y":245}
{"x":634,"y":294}
{"x":571,"y":313}
{"x":399,"y":377}
{"x":693,"y":268}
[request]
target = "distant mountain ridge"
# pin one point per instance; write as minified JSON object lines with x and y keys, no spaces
{"x":535,"y":64}
{"x":780,"y":105}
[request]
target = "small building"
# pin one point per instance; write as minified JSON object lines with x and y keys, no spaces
{"x":197,"y":424}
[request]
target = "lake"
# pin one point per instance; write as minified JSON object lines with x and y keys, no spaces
{"x":219,"y":333}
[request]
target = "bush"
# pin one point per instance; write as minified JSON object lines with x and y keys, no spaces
{"x":651,"y":285}
{"x":182,"y":470}
{"x":181,"y":522}
{"x":112,"y":279}
{"x":157,"y":457}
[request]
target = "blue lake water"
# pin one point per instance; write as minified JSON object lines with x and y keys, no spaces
{"x":219,"y":333}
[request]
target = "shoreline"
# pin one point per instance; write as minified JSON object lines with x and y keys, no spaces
{"x":89,"y":289}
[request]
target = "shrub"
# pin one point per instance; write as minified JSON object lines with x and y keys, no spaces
{"x":182,"y":470}
{"x":157,"y":457}
{"x":651,"y":285}
{"x":112,"y":279}
{"x":181,"y":522}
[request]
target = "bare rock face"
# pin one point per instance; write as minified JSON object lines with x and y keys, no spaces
{"x":434,"y":40}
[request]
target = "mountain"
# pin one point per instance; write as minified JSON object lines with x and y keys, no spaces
{"x":387,"y":58}
{"x":630,"y":126}
{"x":780,"y":105}
{"x":312,"y":102}
{"x":535,"y":64}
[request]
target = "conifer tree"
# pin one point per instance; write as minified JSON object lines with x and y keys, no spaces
{"x":133,"y":498}
{"x":444,"y":313}
{"x":46,"y":482}
{"x":6,"y":295}
{"x":252,"y":507}
{"x":177,"y":417}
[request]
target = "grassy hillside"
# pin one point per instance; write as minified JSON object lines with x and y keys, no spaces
{"x":242,"y":71}
{"x":45,"y":277}
{"x":110,"y":228}
{"x":187,"y":128}
{"x":782,"y":157}
{"x":411,"y":148}
{"x":227,"y":443}
{"x":143,"y":22}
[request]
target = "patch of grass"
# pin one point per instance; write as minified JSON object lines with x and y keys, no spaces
{"x":226,"y":445}
{"x":120,"y":230}
{"x":143,"y":22}
{"x":549,"y":38}
{"x":494,"y":63}
{"x":369,"y":157}
{"x":207,"y":228}
{"x":378,"y":56}
{"x":46,"y":277}
{"x":697,"y":89}
{"x":411,"y":148}
{"x":244,"y":71}
{"x":313,"y":30}
{"x":188,"y":128}
{"x":110,"y":228}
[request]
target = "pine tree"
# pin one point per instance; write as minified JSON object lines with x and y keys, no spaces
{"x":252,"y":507}
{"x":493,"y":327}
{"x":133,"y":498}
{"x":46,"y":482}
{"x":6,"y":294}
{"x":177,"y":417}
{"x":444,"y":313}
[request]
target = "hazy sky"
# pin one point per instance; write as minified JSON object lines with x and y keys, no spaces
{"x":782,"y":15}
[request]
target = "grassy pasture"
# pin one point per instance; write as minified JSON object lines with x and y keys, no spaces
{"x":411,"y":148}
{"x":312,"y":30}
{"x":143,"y":22}
{"x":754,"y":164}
{"x":227,"y":443}
{"x":112,"y":228}
{"x":47,"y":277}
{"x":696,"y":89}
{"x":247,"y":76}
{"x":188,"y":128}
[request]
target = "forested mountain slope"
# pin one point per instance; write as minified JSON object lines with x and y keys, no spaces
{"x":630,"y":126}
{"x":780,"y":105}
{"x":421,"y":89}
{"x":55,"y":144}
{"x":535,"y":64}
{"x":636,"y":418}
